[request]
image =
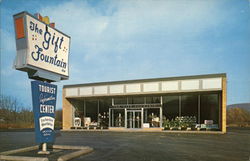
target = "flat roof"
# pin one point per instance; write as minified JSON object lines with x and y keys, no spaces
{"x":149,"y":80}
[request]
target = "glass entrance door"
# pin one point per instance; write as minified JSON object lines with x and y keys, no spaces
{"x":134,"y":119}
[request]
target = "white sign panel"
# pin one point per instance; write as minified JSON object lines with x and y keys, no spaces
{"x":212,"y":83}
{"x":116,"y":89}
{"x":190,"y":84}
{"x":101,"y":90}
{"x":47,"y":48}
{"x":72,"y":92}
{"x":86,"y":91}
{"x":170,"y":86}
{"x":151,"y":87}
{"x":46,"y":122}
{"x":132,"y":88}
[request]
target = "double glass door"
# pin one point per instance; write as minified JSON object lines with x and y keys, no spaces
{"x":134,"y":118}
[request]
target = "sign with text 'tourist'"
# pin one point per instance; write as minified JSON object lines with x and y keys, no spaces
{"x":44,"y":107}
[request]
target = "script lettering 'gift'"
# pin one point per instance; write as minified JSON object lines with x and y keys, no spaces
{"x":48,"y":47}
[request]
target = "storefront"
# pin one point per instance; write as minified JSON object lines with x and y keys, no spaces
{"x":177,"y":103}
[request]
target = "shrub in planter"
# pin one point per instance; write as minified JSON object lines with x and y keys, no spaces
{"x":166,"y":124}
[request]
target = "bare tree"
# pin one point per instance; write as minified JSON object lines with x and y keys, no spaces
{"x":13,"y":114}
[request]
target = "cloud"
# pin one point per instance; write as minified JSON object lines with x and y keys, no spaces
{"x":7,"y":72}
{"x":7,"y":48}
{"x":109,"y":35}
{"x":7,"y":41}
{"x":122,"y":24}
{"x":134,"y":39}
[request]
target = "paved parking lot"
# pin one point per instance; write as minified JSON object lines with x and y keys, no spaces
{"x":138,"y":146}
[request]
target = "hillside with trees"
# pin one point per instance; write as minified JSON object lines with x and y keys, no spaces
{"x":245,"y":106}
{"x":238,"y":115}
{"x":14,"y":115}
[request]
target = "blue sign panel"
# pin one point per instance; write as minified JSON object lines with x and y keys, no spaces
{"x":44,"y":107}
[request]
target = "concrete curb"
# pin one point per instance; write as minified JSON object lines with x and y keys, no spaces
{"x":82,"y":150}
{"x":75,"y":154}
{"x":21,"y":158}
{"x":195,"y":132}
{"x":20,"y":150}
{"x":69,"y":147}
{"x":148,"y":131}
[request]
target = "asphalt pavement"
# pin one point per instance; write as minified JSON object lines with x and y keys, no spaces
{"x":141,"y":146}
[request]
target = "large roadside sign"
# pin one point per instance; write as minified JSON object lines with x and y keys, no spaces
{"x":44,"y":107}
{"x":40,"y":46}
{"x":43,"y":52}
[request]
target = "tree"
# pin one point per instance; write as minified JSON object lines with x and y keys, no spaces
{"x":13,"y":114}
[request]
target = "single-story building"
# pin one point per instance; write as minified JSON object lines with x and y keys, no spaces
{"x":187,"y":102}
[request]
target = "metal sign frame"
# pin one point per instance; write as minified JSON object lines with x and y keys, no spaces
{"x":51,"y":71}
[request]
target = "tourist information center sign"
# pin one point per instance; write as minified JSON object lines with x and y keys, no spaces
{"x":44,"y":107}
{"x":40,"y":46}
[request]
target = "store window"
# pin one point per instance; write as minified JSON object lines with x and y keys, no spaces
{"x":136,"y":100}
{"x":189,"y":105}
{"x":92,"y":110}
{"x":117,"y":117}
{"x":78,"y":106}
{"x":120,"y":100}
{"x":170,"y":107}
{"x":209,"y":109}
{"x":103,"y":116}
{"x":152,"y":117}
{"x":152,"y":100}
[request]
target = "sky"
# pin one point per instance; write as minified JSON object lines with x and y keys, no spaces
{"x":133,"y":39}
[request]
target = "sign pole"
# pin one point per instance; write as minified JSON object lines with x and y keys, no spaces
{"x":44,"y":145}
{"x":44,"y":149}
